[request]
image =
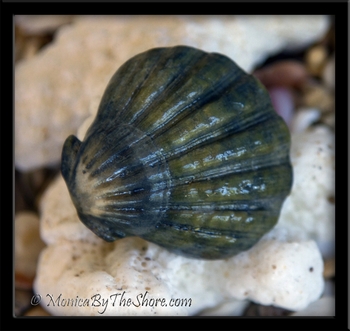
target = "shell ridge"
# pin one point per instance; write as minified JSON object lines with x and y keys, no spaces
{"x":227,"y":79}
{"x":126,"y":74}
{"x":130,"y":171}
{"x":139,"y":87}
{"x":220,"y":133}
{"x":242,"y":205}
{"x":195,"y":105}
{"x":202,"y":231}
{"x":199,"y":128}
{"x":222,"y":172}
{"x":157,"y":63}
{"x":151,"y":160}
{"x":112,"y":202}
{"x":171,"y":86}
{"x":116,"y":152}
{"x":228,"y":159}
{"x":104,"y":135}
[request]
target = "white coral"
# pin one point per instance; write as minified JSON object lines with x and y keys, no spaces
{"x":310,"y":208}
{"x":284,"y":269}
{"x":59,"y":87}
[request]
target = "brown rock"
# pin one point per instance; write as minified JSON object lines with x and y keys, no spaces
{"x":287,"y":73}
{"x":328,"y":75}
{"x":37,"y":311}
{"x":22,"y":301}
{"x":28,"y":245}
{"x":318,"y":96}
{"x":315,"y":59}
{"x":41,"y":24}
{"x":329,"y":268}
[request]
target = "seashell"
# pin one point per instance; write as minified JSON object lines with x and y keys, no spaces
{"x":186,"y":151}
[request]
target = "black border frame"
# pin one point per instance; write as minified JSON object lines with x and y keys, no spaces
{"x":15,"y":7}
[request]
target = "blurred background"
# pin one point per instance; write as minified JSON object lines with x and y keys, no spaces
{"x":301,"y":85}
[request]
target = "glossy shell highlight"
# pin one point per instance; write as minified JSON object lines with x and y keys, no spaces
{"x":186,"y":151}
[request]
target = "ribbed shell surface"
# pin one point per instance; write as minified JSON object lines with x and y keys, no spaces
{"x":186,"y":151}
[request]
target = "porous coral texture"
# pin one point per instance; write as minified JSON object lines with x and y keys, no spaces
{"x":56,"y":89}
{"x":284,"y":269}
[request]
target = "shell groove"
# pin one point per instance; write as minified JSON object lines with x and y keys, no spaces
{"x":185,"y":151}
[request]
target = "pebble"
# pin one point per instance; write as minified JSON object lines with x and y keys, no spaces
{"x":287,"y":73}
{"x":37,"y":311}
{"x":41,"y":24}
{"x":282,"y":100}
{"x":28,"y":246}
{"x":22,"y":301}
{"x":328,"y":75}
{"x":329,"y":119}
{"x":27,"y":46}
{"x":261,"y":310}
{"x":315,"y":59}
{"x":329,"y":288}
{"x":30,"y":185}
{"x":229,"y":308}
{"x":329,"y":268}
{"x":322,"y":307}
{"x":20,"y":198}
{"x":318,"y":96}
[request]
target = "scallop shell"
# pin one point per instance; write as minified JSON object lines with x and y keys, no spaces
{"x":186,"y":151}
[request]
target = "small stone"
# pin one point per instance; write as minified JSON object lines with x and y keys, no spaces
{"x":21,"y":202}
{"x":260,"y":310}
{"x":329,"y":120}
{"x":316,"y":59}
{"x":328,"y":75}
{"x":37,"y":311}
{"x":230,"y":308}
{"x":28,"y":246}
{"x":287,"y":73}
{"x":41,"y":24}
{"x":30,"y":185}
{"x":329,"y":268}
{"x":283,"y":102}
{"x":319,"y":97}
{"x":23,"y":281}
{"x":27,"y":46}
{"x":329,"y":288}
{"x":322,"y":307}
{"x":22,"y":301}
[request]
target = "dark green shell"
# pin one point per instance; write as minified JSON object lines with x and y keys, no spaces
{"x":186,"y":151}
